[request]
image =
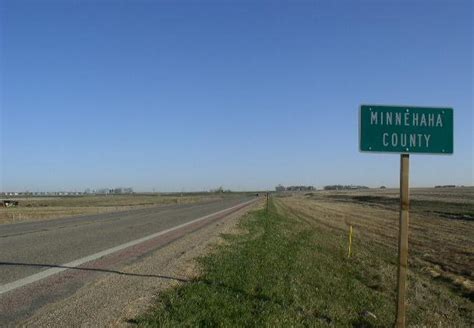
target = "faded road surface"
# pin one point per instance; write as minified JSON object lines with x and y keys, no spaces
{"x":35,"y":258}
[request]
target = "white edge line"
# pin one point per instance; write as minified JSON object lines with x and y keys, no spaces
{"x":49,"y":272}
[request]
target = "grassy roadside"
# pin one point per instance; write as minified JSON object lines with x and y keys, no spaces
{"x":288,"y":272}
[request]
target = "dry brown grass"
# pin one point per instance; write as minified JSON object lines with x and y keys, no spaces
{"x":45,"y":208}
{"x":441,"y":236}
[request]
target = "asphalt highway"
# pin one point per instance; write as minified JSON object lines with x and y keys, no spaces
{"x":30,"y":251}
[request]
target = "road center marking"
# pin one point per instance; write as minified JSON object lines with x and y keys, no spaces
{"x":49,"y":272}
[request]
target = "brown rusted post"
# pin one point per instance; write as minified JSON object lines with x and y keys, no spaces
{"x":403,"y":239}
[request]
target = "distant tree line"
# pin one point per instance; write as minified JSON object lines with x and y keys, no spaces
{"x":446,"y":186}
{"x":344,"y":187}
{"x":220,"y":190}
{"x":281,"y":188}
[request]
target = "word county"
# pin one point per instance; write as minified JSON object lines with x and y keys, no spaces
{"x":408,"y":120}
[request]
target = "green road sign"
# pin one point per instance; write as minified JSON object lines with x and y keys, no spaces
{"x":406,"y":129}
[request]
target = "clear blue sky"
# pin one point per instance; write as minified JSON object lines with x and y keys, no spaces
{"x":193,"y":95}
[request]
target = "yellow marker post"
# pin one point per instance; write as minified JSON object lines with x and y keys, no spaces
{"x":350,"y":242}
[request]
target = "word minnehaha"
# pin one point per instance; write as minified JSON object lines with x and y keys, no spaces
{"x":406,"y":119}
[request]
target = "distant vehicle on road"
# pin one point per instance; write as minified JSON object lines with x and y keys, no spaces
{"x":8,"y":203}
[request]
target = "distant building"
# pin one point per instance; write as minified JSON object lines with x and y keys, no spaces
{"x":114,"y":191}
{"x":119,"y":191}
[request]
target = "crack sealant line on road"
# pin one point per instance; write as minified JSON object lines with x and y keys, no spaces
{"x":63,"y":267}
